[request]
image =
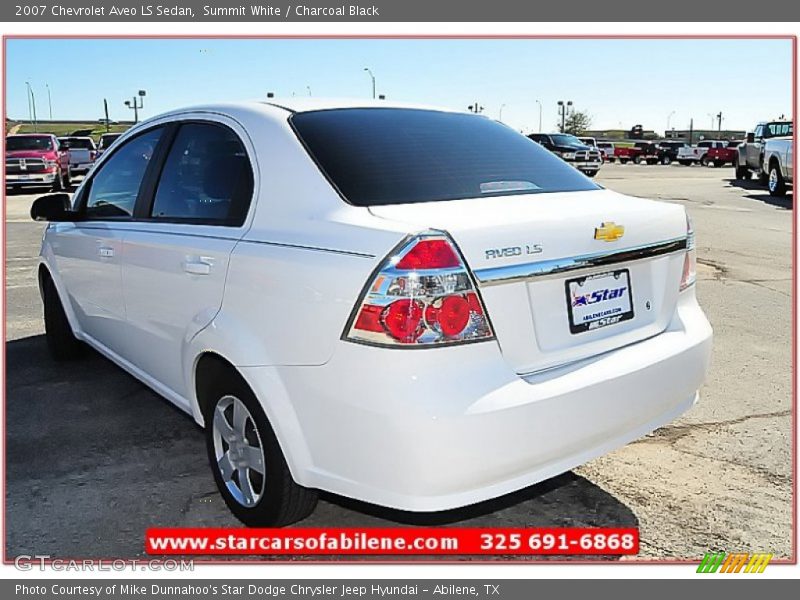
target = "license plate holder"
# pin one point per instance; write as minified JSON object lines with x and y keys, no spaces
{"x":599,"y":300}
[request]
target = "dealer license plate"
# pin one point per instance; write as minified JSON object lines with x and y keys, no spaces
{"x":599,"y":300}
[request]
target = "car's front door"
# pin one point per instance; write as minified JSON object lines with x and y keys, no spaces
{"x":177,"y":252}
{"x":88,"y":252}
{"x":754,"y":150}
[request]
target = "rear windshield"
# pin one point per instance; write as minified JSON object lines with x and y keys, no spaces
{"x":106,"y":140}
{"x":86,"y":144}
{"x":29,"y":142}
{"x":377,"y":156}
{"x":778,"y":129}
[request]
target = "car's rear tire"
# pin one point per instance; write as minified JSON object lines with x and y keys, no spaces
{"x":665,"y":160}
{"x":247,"y":462}
{"x":776,"y":182}
{"x":637,"y":160}
{"x":624,"y":161}
{"x":61,"y":342}
{"x":704,"y":162}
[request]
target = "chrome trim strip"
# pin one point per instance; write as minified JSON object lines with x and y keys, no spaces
{"x":510,"y":273}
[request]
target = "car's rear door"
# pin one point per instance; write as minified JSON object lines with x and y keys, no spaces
{"x":176,"y":256}
{"x":88,"y":252}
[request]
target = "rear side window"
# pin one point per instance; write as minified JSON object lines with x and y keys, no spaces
{"x":377,"y":156}
{"x":115,"y":186}
{"x":206,"y":179}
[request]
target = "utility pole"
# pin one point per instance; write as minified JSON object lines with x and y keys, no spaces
{"x":475,"y":108}
{"x":105,"y":108}
{"x":49,"y":100}
{"x":372,"y":76}
{"x":564,"y":109}
{"x":691,"y":131}
{"x":719,"y":122}
{"x":540,"y":116}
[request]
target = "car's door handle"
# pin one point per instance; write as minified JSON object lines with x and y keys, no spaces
{"x":105,"y":251}
{"x":199,"y":266}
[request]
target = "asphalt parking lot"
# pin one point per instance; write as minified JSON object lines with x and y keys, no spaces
{"x":94,"y":457}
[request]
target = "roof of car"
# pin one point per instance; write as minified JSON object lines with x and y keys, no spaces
{"x":307,"y":104}
{"x":30,"y":135}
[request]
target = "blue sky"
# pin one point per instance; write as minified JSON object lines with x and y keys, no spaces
{"x":618,"y":82}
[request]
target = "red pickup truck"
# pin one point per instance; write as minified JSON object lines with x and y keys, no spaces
{"x":718,"y":156}
{"x":36,"y":160}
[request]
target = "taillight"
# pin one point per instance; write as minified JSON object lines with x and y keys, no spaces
{"x":422,"y":295}
{"x":689,"y":275}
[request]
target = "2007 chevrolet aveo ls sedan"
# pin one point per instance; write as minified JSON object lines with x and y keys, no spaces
{"x":413,"y":307}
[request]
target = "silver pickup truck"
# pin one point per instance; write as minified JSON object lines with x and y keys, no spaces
{"x":778,"y":155}
{"x":82,"y":153}
{"x":751,"y":153}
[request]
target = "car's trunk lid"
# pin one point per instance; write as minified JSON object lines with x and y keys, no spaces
{"x":531,"y":254}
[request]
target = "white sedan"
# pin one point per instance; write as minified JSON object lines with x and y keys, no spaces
{"x":414,"y":307}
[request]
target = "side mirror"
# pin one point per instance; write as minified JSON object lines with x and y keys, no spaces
{"x":751,"y":137}
{"x":52,"y":207}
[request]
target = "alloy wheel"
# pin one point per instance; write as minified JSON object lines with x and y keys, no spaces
{"x":239,"y":451}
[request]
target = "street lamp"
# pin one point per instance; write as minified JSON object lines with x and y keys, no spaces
{"x":308,"y":87}
{"x":564,"y":108}
{"x":500,"y":118}
{"x":137,"y":103}
{"x":32,"y":106}
{"x":540,"y":116}
{"x":669,"y":118}
{"x":49,"y":100}
{"x":372,"y":76}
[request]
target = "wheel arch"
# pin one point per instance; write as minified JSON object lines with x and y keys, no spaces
{"x":268,"y":389}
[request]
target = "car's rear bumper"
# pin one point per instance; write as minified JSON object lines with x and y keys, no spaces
{"x":31,"y":179}
{"x":81,"y":167}
{"x":434,"y":429}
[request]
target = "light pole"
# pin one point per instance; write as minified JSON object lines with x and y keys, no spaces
{"x":500,"y":118}
{"x":372,"y":76}
{"x":540,"y":116}
{"x":308,"y":87}
{"x":564,"y":109}
{"x":712,"y":120}
{"x":49,"y":100}
{"x":669,"y":118}
{"x":719,"y":122}
{"x":32,"y":106}
{"x":137,"y":103}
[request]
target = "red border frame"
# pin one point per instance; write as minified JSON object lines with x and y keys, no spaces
{"x":399,"y":560}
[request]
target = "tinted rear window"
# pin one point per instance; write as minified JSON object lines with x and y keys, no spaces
{"x":377,"y":156}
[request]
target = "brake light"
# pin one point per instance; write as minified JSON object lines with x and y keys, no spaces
{"x":689,"y":275}
{"x":423,"y":295}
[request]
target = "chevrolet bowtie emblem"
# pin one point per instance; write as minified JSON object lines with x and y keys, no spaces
{"x":609,"y":232}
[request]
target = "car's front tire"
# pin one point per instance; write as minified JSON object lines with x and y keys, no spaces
{"x":590,"y":173}
{"x":61,"y":342}
{"x":247,"y":462}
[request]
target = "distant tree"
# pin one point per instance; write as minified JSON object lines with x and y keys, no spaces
{"x":577,"y":123}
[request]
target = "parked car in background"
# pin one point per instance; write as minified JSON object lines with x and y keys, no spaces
{"x":718,"y":155}
{"x":36,"y":160}
{"x":105,"y":141}
{"x":750,"y":154}
{"x":584,"y":158}
{"x":81,"y":151}
{"x":589,"y":141}
{"x":606,"y":151}
{"x":670,"y":150}
{"x":428,"y":281}
{"x":691,"y":155}
{"x":647,"y":152}
{"x":778,"y":154}
{"x":624,"y":153}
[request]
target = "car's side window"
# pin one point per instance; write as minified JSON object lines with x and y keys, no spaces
{"x":114,"y":188}
{"x":206,"y":179}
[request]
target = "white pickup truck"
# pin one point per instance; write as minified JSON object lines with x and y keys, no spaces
{"x":82,"y":153}
{"x":778,"y":155}
{"x":689,"y":155}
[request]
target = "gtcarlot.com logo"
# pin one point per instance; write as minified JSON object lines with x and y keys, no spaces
{"x":42,"y":562}
{"x":741,"y":562}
